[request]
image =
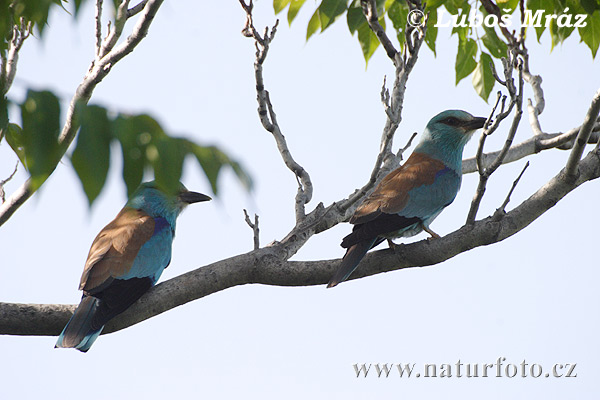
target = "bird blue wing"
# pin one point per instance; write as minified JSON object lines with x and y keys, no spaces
{"x":426,"y":201}
{"x":155,"y":255}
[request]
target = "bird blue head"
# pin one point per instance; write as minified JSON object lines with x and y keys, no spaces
{"x":156,"y":202}
{"x":447,"y":133}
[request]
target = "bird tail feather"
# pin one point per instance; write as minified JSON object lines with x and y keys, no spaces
{"x":80,"y":332}
{"x":350,"y":261}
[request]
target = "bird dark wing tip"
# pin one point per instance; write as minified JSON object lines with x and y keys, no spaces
{"x":332,"y":283}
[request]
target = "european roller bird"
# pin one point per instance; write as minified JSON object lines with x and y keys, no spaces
{"x":410,"y":197}
{"x":125,"y":260}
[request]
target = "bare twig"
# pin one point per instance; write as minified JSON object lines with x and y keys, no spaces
{"x":267,"y":114}
{"x":488,"y":130}
{"x":516,"y":101}
{"x":406,"y":146}
{"x":3,"y":182}
{"x":98,"y":17}
{"x":385,"y":99}
{"x":535,"y":81}
{"x":582,"y":137}
{"x":500,"y":212}
{"x":133,"y":11}
{"x":8,"y":64}
{"x":254,"y":227}
{"x":113,"y":36}
{"x":531,"y":146}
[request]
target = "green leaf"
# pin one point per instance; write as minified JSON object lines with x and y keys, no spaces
{"x":212,"y":160}
{"x":483,"y":79}
{"x":462,"y":25}
{"x":368,"y":40}
{"x":134,"y":134}
{"x":433,"y":5}
{"x":313,"y":25}
{"x":559,"y":31}
{"x":40,"y":113}
{"x":3,"y":112}
{"x":14,"y":139}
{"x":451,"y":7}
{"x":465,"y":59}
{"x":168,"y":163}
{"x":279,"y":5}
{"x":534,"y":15}
{"x":432,"y":31}
{"x":590,"y":34}
{"x":145,"y":144}
{"x":398,"y":14}
{"x":329,"y":10}
{"x":242,"y":175}
{"x":77,"y":4}
{"x":355,"y":18}
{"x":91,"y":157}
{"x":295,"y":6}
{"x":590,"y":5}
{"x":507,"y":4}
{"x":493,"y":43}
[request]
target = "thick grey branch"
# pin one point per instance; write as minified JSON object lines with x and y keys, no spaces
{"x":533,"y":145}
{"x":266,"y":266}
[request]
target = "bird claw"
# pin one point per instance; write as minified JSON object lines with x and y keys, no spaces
{"x":392,"y":245}
{"x":432,"y":233}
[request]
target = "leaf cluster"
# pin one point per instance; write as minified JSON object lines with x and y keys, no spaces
{"x":144,"y":145}
{"x":478,"y":43}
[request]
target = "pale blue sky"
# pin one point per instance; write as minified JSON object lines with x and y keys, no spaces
{"x":533,"y":296}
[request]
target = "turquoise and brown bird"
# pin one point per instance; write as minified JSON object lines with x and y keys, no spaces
{"x":410,"y":197}
{"x":125,"y":260}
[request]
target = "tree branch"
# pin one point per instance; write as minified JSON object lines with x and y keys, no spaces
{"x":583,"y":136}
{"x":533,"y":145}
{"x":254,"y":227}
{"x":8,"y":70}
{"x":370,"y":11}
{"x":5,"y":181}
{"x":265,"y":266}
{"x":82,"y":95}
{"x":267,"y":115}
{"x":502,"y":209}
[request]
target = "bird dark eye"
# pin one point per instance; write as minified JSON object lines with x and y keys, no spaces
{"x":451,"y":121}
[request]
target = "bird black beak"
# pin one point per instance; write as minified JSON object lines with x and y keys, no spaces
{"x":193,"y":197}
{"x":475,"y":123}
